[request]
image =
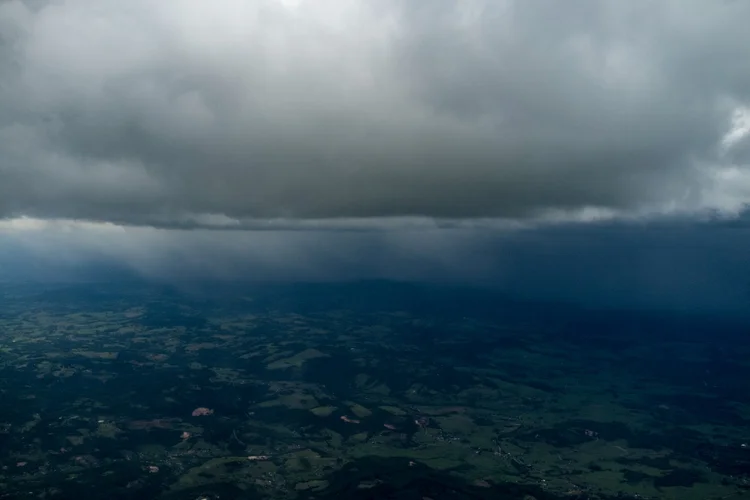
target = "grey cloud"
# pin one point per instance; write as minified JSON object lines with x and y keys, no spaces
{"x":230,"y":113}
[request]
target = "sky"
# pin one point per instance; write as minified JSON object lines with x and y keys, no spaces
{"x":596,"y":150}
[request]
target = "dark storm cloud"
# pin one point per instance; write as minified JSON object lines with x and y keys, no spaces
{"x":190,"y":113}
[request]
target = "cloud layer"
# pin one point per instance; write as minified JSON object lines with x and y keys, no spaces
{"x":237,"y":114}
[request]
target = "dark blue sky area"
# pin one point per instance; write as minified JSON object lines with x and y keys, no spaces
{"x":670,"y":264}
